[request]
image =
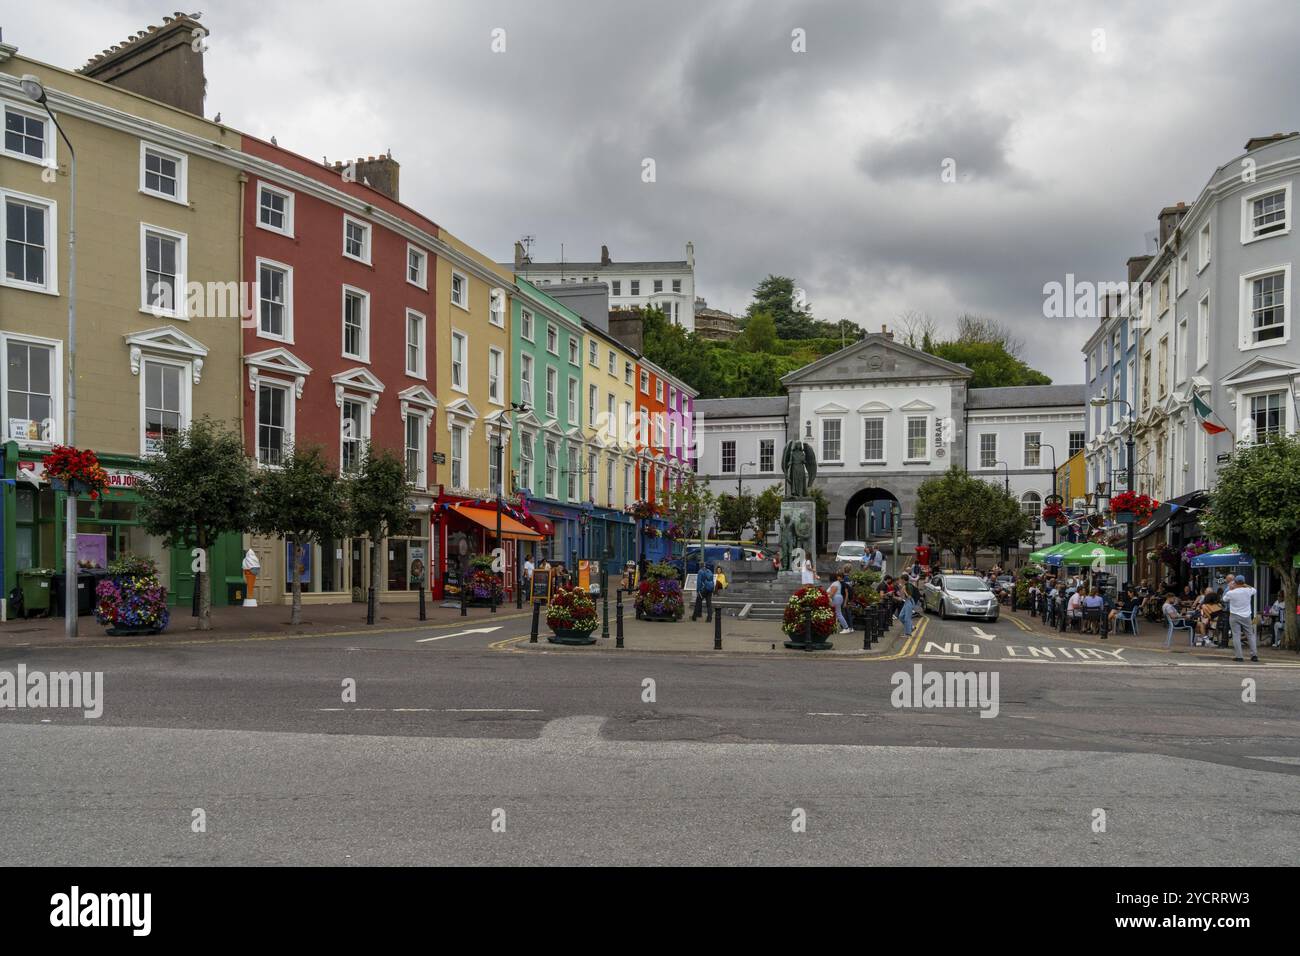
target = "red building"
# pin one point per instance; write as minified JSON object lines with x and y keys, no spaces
{"x":338,"y":349}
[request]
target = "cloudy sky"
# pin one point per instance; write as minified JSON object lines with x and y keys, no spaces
{"x":1069,"y":128}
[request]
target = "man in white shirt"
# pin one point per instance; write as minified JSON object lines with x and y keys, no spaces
{"x":528,"y":571}
{"x":1240,"y":598}
{"x":876,"y":562}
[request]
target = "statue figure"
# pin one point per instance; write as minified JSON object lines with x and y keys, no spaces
{"x":796,"y":534}
{"x":799,"y":462}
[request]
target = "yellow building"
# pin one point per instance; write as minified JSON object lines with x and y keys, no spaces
{"x":157,"y":213}
{"x":473,"y":361}
{"x":1072,"y":480}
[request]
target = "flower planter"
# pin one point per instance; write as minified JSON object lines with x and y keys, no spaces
{"x":75,"y":487}
{"x":1126,"y":517}
{"x":115,"y":631}
{"x":568,"y":636}
{"x":483,"y":602}
{"x":659,"y":617}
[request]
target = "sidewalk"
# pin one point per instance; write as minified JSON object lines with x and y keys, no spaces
{"x":739,"y":637}
{"x":1150,"y":637}
{"x":233,"y":623}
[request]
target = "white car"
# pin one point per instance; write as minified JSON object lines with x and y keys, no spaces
{"x":960,"y":595}
{"x":852,"y":552}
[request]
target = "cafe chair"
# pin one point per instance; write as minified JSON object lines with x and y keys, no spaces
{"x":1180,"y":626}
{"x":1129,"y":617}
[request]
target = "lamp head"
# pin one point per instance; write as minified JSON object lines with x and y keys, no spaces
{"x":33,"y":88}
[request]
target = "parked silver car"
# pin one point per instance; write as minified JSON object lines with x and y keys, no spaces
{"x":960,"y":595}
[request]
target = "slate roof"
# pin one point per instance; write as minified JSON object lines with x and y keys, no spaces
{"x":1018,"y":396}
{"x":773,"y":406}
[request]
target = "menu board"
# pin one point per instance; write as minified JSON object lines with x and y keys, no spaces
{"x":541,"y":590}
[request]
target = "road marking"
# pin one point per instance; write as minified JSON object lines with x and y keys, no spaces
{"x":472,"y":630}
{"x":979,"y":632}
{"x":1021,"y":624}
{"x":834,"y":714}
{"x":430,"y":710}
{"x":582,"y":728}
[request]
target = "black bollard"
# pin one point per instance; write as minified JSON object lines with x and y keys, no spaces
{"x":618,"y":621}
{"x":519,"y":594}
{"x":423,"y":617}
{"x":532,"y":633}
{"x":717,"y":629}
{"x":464,"y":600}
{"x":370,"y":606}
{"x":807,"y":630}
{"x":866,"y":632}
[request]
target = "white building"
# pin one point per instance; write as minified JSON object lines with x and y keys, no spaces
{"x":669,"y":286}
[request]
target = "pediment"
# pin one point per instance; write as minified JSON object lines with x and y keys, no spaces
{"x":1261,"y":369}
{"x":830,"y":408}
{"x":875,"y":358}
{"x":278,"y":360}
{"x":463,"y":408}
{"x":167,"y":338}
{"x":916,"y":405}
{"x":866,"y":408}
{"x":358,"y":378}
{"x":418,"y":395}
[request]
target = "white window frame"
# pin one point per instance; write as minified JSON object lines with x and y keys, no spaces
{"x":979,"y":451}
{"x":284,"y":194}
{"x":821,"y":440}
{"x":1025,"y":450}
{"x":1204,"y":246}
{"x":463,"y":387}
{"x":186,"y":370}
{"x":552,"y":339}
{"x":627,"y":372}
{"x":461,"y":302}
{"x":364,"y":418}
{"x":51,"y":284}
{"x":56,"y":386}
{"x":526,"y":379}
{"x":365,"y":241}
{"x":761,"y":443}
{"x":925,"y":433}
{"x":527,"y":325}
{"x":659,"y":389}
{"x":616,"y":287}
{"x":421,"y":371}
{"x":593,"y":354}
{"x":421,"y":450}
{"x":182,"y":272}
{"x":884,"y":440}
{"x":593,"y":394}
{"x":422,"y":278}
{"x":290,"y":416}
{"x":1245,"y":329}
{"x":49,"y":137}
{"x":1180,"y":349}
{"x":551,"y":466}
{"x":287,"y":269}
{"x":722,"y":456}
{"x":500,"y":357}
{"x":1245,"y":398}
{"x":364,"y":354}
{"x":458,"y":462}
{"x":497,"y":308}
{"x":1248,"y":234}
{"x":182,"y":173}
{"x":575,"y":350}
{"x":1203,"y":331}
{"x":613,"y":363}
{"x":552,"y":391}
{"x":527,"y":451}
{"x":644,"y":382}
{"x":1184,"y":271}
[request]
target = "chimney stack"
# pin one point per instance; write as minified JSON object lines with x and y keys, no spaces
{"x":163,"y":63}
{"x":884,"y":330}
{"x":1135,"y":266}
{"x":604,"y":256}
{"x":1169,"y":219}
{"x":380,"y":173}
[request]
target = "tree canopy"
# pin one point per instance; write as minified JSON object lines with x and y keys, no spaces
{"x":961,"y":514}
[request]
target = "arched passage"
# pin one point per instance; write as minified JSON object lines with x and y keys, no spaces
{"x":868,"y":515}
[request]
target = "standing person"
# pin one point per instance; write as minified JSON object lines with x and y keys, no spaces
{"x":877,"y":560}
{"x":1240,"y":598}
{"x":704,"y":584}
{"x":806,"y":575}
{"x":906,"y":612}
{"x":836,"y":592}
{"x":528,"y":573}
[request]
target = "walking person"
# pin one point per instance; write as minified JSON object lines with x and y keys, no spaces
{"x":877,"y":560}
{"x":704,"y":584}
{"x":1240,"y":598}
{"x":906,"y":612}
{"x":807,"y":575}
{"x":836,"y":592}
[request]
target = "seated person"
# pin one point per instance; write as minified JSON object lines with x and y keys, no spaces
{"x":1211,"y":607}
{"x":1171,"y":611}
{"x":1074,"y":609}
{"x":1093,"y":602}
{"x":1276,"y":615}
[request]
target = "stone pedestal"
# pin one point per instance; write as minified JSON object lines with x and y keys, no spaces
{"x":807,"y":509}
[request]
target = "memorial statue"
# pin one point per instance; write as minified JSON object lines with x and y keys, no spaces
{"x":799,"y":462}
{"x":796,"y":534}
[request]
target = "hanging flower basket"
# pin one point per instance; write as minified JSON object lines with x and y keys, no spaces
{"x":1053,"y":515}
{"x":1129,"y":507}
{"x":643,"y":510}
{"x":76,"y":470}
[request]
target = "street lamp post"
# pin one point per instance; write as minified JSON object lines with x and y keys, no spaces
{"x":1040,"y":445}
{"x":500,"y":486}
{"x":741,"y":477}
{"x":1099,"y":402}
{"x":35,"y":91}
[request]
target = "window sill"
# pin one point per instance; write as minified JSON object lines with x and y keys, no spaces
{"x":279,"y":232}
{"x":171,"y":199}
{"x":164,"y":314}
{"x":29,"y":287}
{"x":358,"y":259}
{"x":1267,"y":235}
{"x":460,"y":305}
{"x":285,"y":339}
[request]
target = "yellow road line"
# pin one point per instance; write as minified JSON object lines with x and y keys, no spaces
{"x":502,"y":645}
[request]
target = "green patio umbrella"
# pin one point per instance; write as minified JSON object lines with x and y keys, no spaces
{"x":1042,"y":554}
{"x":1085,"y":555}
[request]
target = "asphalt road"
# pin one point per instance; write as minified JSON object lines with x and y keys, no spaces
{"x":458,"y":752}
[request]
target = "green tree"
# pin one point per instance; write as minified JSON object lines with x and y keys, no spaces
{"x":377,"y":504}
{"x":1256,"y":506}
{"x":689,"y":506}
{"x":991,"y":364}
{"x":735,"y":512}
{"x":302,"y":501}
{"x":759,"y":334}
{"x":961,"y":514}
{"x":774,"y":296}
{"x":767,"y":510}
{"x":197,"y":489}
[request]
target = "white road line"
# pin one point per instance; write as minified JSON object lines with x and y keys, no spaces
{"x":979,"y":632}
{"x":430,"y":710}
{"x":473,"y":630}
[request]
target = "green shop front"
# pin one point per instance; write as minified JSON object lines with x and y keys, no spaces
{"x":33,"y":530}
